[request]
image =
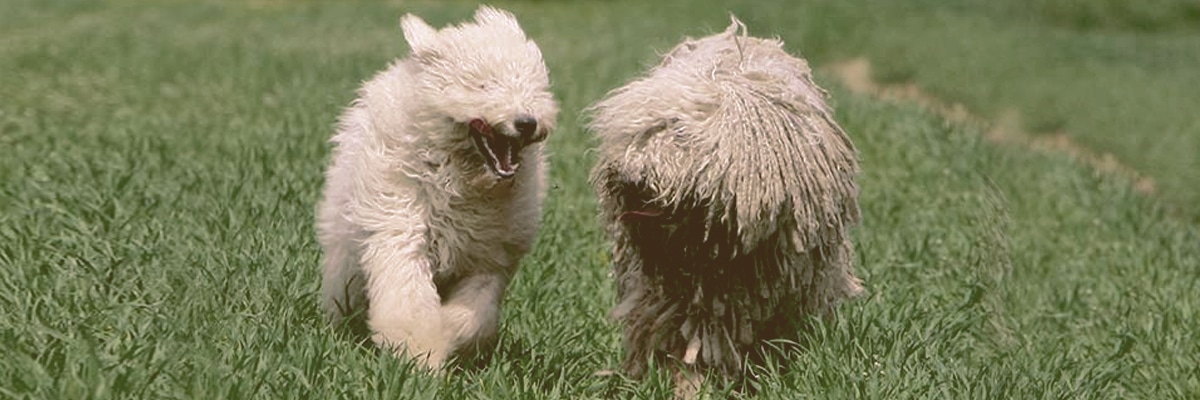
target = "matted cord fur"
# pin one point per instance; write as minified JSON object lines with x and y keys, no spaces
{"x":728,"y":190}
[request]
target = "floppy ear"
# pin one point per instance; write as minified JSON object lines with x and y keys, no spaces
{"x":417,"y":33}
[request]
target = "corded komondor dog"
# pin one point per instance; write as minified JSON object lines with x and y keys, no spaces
{"x":436,"y":187}
{"x":728,"y":190}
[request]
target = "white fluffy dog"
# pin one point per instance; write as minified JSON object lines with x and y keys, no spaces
{"x":436,"y":186}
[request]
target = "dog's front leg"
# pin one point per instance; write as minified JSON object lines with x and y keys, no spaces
{"x":404,"y":304}
{"x":471,"y":312}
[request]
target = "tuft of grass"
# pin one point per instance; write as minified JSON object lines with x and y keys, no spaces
{"x":161,"y":162}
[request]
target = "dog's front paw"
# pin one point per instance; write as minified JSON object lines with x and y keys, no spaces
{"x":464,"y":325}
{"x":429,"y":352}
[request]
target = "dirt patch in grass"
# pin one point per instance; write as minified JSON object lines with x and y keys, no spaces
{"x":855,"y":74}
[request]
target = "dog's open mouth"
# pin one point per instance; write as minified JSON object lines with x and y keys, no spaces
{"x":500,"y":152}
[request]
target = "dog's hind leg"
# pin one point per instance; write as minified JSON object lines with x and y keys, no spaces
{"x":471,"y":312}
{"x":404,"y":303}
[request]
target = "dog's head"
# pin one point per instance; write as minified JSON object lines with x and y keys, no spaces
{"x":728,"y":134}
{"x":486,"y":80}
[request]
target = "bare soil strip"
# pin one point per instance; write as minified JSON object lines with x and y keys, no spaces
{"x":855,"y":74}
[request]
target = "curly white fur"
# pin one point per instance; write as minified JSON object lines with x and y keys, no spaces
{"x":435,"y":189}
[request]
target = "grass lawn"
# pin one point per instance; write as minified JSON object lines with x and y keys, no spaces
{"x":160,"y":163}
{"x":1118,"y":77}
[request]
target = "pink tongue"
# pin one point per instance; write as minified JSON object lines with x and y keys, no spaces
{"x":482,"y":127}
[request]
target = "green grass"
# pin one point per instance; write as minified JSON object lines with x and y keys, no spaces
{"x":1117,"y":76}
{"x":161,"y":161}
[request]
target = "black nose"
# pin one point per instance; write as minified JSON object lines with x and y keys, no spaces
{"x":526,"y":126}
